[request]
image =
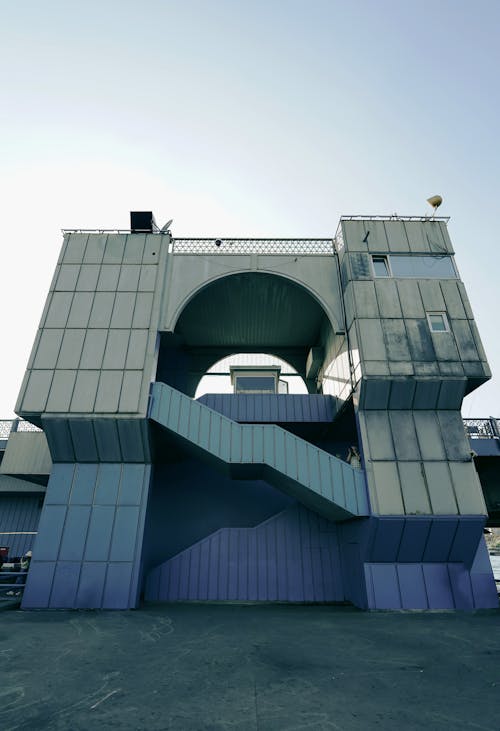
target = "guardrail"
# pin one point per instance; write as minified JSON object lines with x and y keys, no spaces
{"x":299,"y":247}
{"x":7,"y":426}
{"x":483,"y":428}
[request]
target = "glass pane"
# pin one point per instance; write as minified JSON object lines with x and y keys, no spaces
{"x":255,"y":383}
{"x":439,"y":267}
{"x":437,"y":323}
{"x":380,"y":266}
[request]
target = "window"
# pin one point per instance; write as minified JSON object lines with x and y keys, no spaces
{"x":380,"y":266}
{"x":424,"y":267}
{"x":438,"y":322}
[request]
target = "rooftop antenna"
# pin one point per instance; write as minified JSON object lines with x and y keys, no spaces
{"x":166,"y":228}
{"x":435,"y":201}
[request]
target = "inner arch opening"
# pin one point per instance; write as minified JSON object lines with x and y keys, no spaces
{"x":217,"y":379}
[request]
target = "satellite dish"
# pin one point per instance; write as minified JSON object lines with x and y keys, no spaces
{"x":165,"y":228}
{"x":435,"y":201}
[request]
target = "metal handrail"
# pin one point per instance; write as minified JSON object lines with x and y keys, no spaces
{"x":8,"y":426}
{"x":482,"y":428}
{"x":394,"y":217}
{"x":229,"y":245}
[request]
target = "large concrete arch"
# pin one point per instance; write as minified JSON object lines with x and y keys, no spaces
{"x":243,"y":312}
{"x":188,"y":275}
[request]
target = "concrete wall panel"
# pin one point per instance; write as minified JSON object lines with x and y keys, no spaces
{"x":81,"y":306}
{"x":71,"y":349}
{"x":85,"y":392}
{"x":87,"y":278}
{"x":440,"y":488}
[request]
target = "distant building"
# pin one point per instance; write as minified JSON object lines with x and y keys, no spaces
{"x":250,"y":495}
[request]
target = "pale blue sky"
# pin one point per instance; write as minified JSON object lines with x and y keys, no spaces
{"x":235,"y":118}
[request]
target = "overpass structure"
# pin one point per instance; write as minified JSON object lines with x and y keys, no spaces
{"x":134,"y":488}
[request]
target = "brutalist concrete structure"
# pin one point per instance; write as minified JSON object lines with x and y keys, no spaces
{"x":249,"y":496}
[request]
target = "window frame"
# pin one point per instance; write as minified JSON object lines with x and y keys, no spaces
{"x":386,"y":260}
{"x":444,"y":317}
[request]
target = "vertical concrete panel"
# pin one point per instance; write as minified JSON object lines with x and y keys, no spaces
{"x":117,"y":587}
{"x":108,"y":392}
{"x":147,"y":278}
{"x":134,"y":248}
{"x":410,"y":299}
{"x":94,"y":250}
{"x":108,"y":443}
{"x":37,"y":391}
{"x":385,"y":586}
{"x":461,"y":586}
{"x":60,"y":482}
{"x":58,"y":310}
{"x":102,"y":307}
{"x":417,"y":237}
{"x":412,"y":586}
{"x":440,"y":539}
{"x":38,"y":585}
{"x":452,"y":298}
{"x":468,"y":491}
{"x":137,"y":349}
{"x":84,"y":481}
{"x":99,"y":533}
{"x":453,"y":433}
{"x":365,"y":299}
{"x":81,"y":306}
{"x":414,"y":539}
{"x":115,"y":246}
{"x":83,"y":438}
{"x":108,"y":480}
{"x":388,"y":299}
{"x":48,"y":348}
{"x":61,"y":391}
{"x":387,"y":488}
{"x":438,"y":587}
{"x":379,"y":435}
{"x":404,"y":435}
{"x":416,"y":499}
{"x":397,"y":238}
{"x":67,"y":277}
{"x":75,"y":533}
{"x":143,"y":310}
{"x":74,"y":248}
{"x":108,"y":278}
{"x":371,"y":340}
{"x":440,"y":489}
{"x":129,"y":278}
{"x":124,"y":534}
{"x":71,"y":349}
{"x":91,"y":586}
{"x":84,"y":392}
{"x":87,"y":278}
{"x":93,"y":349}
{"x":50,"y":531}
{"x":429,"y":435}
{"x":131,"y":390}
{"x":123,"y":310}
{"x":116,"y":350}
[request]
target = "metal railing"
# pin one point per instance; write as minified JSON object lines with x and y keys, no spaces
{"x":394,"y":217}
{"x":482,"y":428}
{"x":7,"y":426}
{"x":309,"y":247}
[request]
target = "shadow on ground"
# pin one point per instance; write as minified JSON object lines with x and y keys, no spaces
{"x":185,"y":667}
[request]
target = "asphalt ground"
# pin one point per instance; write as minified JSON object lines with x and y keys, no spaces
{"x":221,"y":667}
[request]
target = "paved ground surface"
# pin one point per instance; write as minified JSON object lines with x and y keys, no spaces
{"x":244,"y":667}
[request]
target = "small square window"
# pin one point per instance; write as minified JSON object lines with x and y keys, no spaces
{"x":380,"y":266}
{"x":438,"y":322}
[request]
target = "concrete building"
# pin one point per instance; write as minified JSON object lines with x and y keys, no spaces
{"x":250,"y":496}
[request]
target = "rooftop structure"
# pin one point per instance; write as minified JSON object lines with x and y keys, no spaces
{"x":362,"y":490}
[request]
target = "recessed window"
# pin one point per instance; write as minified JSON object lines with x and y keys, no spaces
{"x":380,"y":266}
{"x":438,"y":322}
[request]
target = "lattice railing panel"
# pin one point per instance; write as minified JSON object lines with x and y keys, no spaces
{"x":307,"y":247}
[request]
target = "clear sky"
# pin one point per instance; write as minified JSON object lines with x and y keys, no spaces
{"x":237,"y":118}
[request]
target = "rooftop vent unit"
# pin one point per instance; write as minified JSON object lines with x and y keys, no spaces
{"x":142,"y":222}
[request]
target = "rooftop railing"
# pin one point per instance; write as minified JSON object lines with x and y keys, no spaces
{"x":483,"y":428}
{"x":476,"y":428}
{"x":309,"y":247}
{"x":7,"y":426}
